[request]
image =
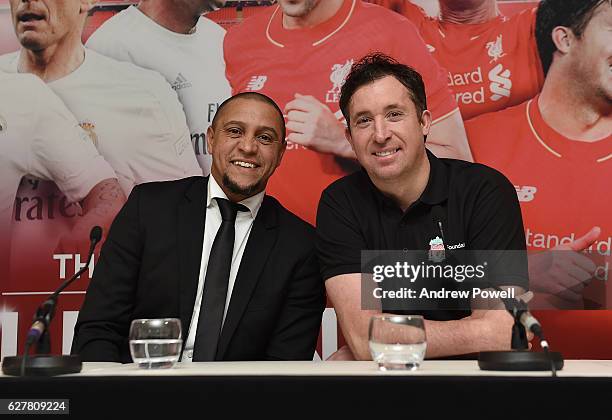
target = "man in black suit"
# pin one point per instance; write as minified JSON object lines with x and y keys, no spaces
{"x":230,"y":262}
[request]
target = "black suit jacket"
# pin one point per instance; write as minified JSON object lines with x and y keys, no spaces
{"x":149,"y":268}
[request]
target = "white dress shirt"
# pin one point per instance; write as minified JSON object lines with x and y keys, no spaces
{"x":244,"y":224}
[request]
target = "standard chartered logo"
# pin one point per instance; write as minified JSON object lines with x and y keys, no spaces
{"x":501,"y":84}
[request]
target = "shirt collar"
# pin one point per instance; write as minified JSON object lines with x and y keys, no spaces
{"x":436,"y":190}
{"x":253,"y":203}
{"x":313,"y":36}
{"x":563,"y":147}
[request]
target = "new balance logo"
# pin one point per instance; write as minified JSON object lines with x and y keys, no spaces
{"x":501,"y":84}
{"x":525,"y":193}
{"x":181,"y":82}
{"x":257,"y":83}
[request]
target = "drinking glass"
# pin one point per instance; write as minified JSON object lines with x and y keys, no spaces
{"x":397,"y":342}
{"x":155,"y":343}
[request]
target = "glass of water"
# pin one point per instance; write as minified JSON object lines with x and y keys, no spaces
{"x":397,"y":342}
{"x":155,"y":343}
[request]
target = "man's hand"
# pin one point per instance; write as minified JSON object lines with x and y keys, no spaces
{"x":344,"y":353}
{"x":99,"y":208}
{"x":495,"y":326}
{"x":447,"y":138}
{"x":78,"y":240}
{"x":313,"y":125}
{"x":75,"y":242}
{"x":564,"y":270}
{"x":497,"y":330}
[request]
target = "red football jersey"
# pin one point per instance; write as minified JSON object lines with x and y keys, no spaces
{"x":263,"y":56}
{"x":491,"y":66}
{"x":563,"y":187}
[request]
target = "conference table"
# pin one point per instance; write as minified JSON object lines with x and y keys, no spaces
{"x":314,"y":388}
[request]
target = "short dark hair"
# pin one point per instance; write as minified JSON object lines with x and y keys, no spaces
{"x":376,"y":66}
{"x":573,"y":14}
{"x":257,"y":97}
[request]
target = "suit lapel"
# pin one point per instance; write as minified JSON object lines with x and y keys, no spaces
{"x":259,"y":245}
{"x":191,"y":221}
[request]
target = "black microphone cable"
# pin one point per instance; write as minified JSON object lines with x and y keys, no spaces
{"x":537,"y":330}
{"x":28,"y":344}
{"x":519,"y":310}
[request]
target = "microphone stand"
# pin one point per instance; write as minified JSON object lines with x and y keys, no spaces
{"x":520,"y":358}
{"x":43,"y":364}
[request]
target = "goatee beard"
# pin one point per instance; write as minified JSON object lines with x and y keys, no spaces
{"x":238,"y":190}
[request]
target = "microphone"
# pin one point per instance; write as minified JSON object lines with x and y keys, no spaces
{"x":35,"y":331}
{"x":43,"y":364}
{"x":531,"y":323}
{"x":95,"y":235}
{"x":521,"y":360}
{"x":519,"y":310}
{"x":46,"y":311}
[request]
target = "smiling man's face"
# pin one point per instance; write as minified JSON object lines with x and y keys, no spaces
{"x":246,"y":144}
{"x":386,"y":130}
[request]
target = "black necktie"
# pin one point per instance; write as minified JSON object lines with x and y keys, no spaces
{"x":215,"y":284}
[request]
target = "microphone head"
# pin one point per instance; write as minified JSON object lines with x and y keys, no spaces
{"x":96,"y":234}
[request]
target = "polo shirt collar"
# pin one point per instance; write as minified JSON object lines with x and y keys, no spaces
{"x":436,"y":190}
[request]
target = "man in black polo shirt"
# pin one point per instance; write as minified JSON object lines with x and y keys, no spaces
{"x":407,"y":199}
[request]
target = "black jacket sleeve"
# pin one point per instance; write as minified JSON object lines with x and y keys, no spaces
{"x":295,"y":335}
{"x":102,"y":327}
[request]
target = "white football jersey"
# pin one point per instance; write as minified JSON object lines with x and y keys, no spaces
{"x":41,"y":138}
{"x":192,"y":64}
{"x":136,"y":122}
{"x":130,"y":114}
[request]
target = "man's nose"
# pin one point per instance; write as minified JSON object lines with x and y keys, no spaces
{"x":381,"y":130}
{"x":248,"y":144}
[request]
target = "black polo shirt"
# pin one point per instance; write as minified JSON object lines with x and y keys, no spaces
{"x":469,"y":205}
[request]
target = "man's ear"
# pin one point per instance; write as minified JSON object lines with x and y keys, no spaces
{"x":426,"y":122}
{"x":562,"y":37}
{"x":349,"y":137}
{"x":210,"y":134}
{"x":282,"y":153}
